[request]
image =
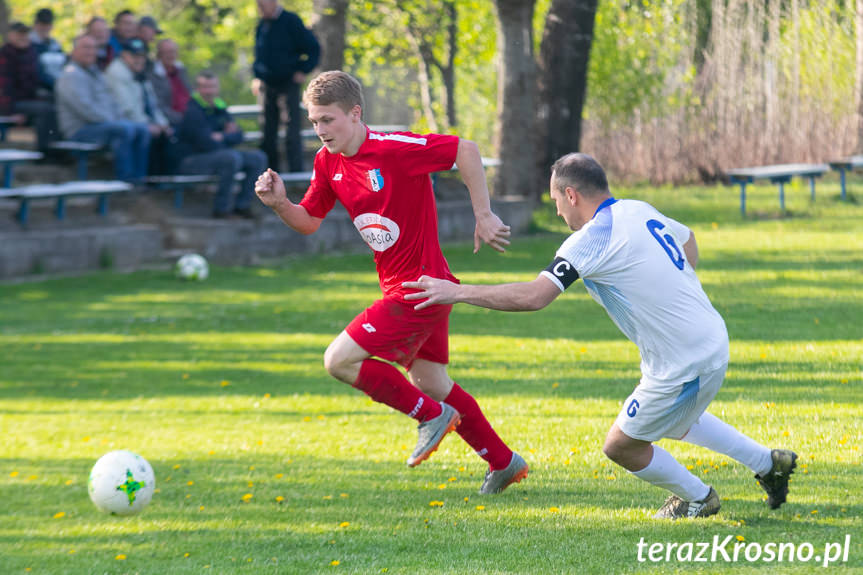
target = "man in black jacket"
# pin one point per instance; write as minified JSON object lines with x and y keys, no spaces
{"x":206,"y":137}
{"x":285,"y":51}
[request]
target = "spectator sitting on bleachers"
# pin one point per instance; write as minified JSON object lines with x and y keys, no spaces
{"x":206,"y":136}
{"x":97,"y":28}
{"x":137,"y":102}
{"x":125,"y":28}
{"x":170,"y":81}
{"x":88,"y":113}
{"x":51,"y":56}
{"x":148,"y":29}
{"x":19,"y":82}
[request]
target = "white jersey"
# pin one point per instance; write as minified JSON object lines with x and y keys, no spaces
{"x":631,"y":260}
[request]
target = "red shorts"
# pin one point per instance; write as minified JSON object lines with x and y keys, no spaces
{"x":393,"y":330}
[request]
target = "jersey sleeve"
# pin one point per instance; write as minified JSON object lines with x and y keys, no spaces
{"x":583,"y":253}
{"x":423,"y":154}
{"x":680,"y":231}
{"x":319,"y":198}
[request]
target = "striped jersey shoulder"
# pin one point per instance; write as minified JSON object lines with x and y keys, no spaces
{"x":399,"y":137}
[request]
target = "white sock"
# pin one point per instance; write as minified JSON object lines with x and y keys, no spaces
{"x":716,"y":435}
{"x":665,"y":471}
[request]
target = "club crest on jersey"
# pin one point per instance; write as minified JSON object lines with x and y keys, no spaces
{"x":376,"y":180}
{"x":379,"y":233}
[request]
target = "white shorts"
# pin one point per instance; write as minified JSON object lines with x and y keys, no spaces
{"x":658,"y":409}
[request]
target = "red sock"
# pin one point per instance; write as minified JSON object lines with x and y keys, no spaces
{"x":385,"y":384}
{"x":476,"y":430}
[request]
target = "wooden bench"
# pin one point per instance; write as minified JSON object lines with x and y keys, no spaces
{"x":8,"y":158}
{"x":779,"y":174}
{"x":81,"y":150}
{"x":62,"y":191}
{"x":846,"y":165}
{"x":6,"y":122}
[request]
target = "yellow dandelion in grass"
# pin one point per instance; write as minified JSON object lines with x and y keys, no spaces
{"x":442,"y":486}
{"x":555,"y":385}
{"x":817,"y":321}
{"x":13,"y":474}
{"x":462,"y":468}
{"x":344,"y":495}
{"x":185,"y":376}
{"x":251,"y":483}
{"x":435,"y":503}
{"x":266,"y":396}
{"x":247,"y":497}
{"x":554,"y":509}
{"x":786,"y":433}
{"x":307,"y":418}
{"x":740,"y":538}
{"x":335,"y":562}
{"x":120,"y":557}
{"x":201,"y":508}
{"x":321,"y":417}
{"x":177,"y":466}
{"x":59,"y":515}
{"x":211,"y":452}
{"x":69,"y":482}
{"x":844,"y":440}
{"x":844,"y":381}
{"x":480,"y":507}
{"x":225,"y":383}
{"x":188,"y":496}
{"x":328,"y":496}
{"x":344,"y":524}
{"x":279,"y":498}
{"x":186,"y":555}
{"x":566,"y":461}
{"x":714,"y":225}
{"x":71,"y":551}
{"x":190,"y":483}
{"x":466,"y":499}
{"x":279,"y":475}
{"x":814,"y":511}
{"x":453,"y":479}
{"x":690,"y":467}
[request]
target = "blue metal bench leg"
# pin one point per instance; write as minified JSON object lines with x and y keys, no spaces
{"x":812,"y":189}
{"x":103,"y":205}
{"x":742,"y":198}
{"x":7,"y":175}
{"x":178,"y":197}
{"x":82,"y":165}
{"x":842,"y":183}
{"x":61,"y":208}
{"x":782,"y":196}
{"x":24,"y":212}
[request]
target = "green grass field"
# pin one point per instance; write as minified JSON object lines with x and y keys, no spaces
{"x":264,"y":464}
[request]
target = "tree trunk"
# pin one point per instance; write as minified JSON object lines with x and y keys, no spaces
{"x":516,"y":96}
{"x":329,"y":25}
{"x":858,"y":91}
{"x":4,"y":19}
{"x":562,"y":85}
{"x":448,"y":71}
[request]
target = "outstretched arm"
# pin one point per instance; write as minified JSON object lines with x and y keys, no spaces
{"x":489,"y":228}
{"x":271,"y":190}
{"x":525,"y":296}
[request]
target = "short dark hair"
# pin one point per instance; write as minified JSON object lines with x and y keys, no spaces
{"x":122,"y":13}
{"x":581,"y":172}
{"x":44,"y":16}
{"x":19,"y":27}
{"x":207,"y":75}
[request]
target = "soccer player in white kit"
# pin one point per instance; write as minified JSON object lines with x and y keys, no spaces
{"x":640,"y":266}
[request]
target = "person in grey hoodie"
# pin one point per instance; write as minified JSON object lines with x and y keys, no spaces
{"x":87,"y":112}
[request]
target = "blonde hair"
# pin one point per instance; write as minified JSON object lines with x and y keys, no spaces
{"x":334,"y":87}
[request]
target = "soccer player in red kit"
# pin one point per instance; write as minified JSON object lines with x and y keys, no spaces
{"x":383,"y":182}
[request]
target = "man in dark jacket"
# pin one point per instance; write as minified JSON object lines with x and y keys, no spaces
{"x":206,"y":136}
{"x":285,"y":51}
{"x":19,"y":81}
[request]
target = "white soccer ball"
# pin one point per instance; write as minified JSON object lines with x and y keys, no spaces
{"x":192,"y":267}
{"x":121,"y":483}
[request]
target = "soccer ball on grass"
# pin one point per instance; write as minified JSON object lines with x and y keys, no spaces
{"x":192,"y":267}
{"x":121,"y":483}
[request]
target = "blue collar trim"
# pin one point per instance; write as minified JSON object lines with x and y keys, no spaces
{"x":604,"y":204}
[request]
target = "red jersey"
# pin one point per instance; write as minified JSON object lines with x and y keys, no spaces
{"x":387,"y":190}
